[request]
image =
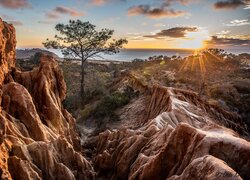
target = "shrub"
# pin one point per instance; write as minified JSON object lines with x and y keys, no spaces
{"x":109,"y":104}
{"x":36,"y":58}
{"x":71,"y":103}
{"x":168,"y":81}
{"x":85,"y":113}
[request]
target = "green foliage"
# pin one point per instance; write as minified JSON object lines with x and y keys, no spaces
{"x":109,"y":104}
{"x":137,"y":60}
{"x":168,"y":81}
{"x":215,"y":92}
{"x":183,"y":79}
{"x":36,"y":58}
{"x":79,"y":39}
{"x":226,"y":93}
{"x":29,"y":64}
{"x":72,"y":102}
{"x":86,"y":112}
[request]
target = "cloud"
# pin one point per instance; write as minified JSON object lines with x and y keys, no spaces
{"x":45,"y":22}
{"x":15,"y":4}
{"x":215,"y":40}
{"x":230,"y":4}
{"x":61,"y":10}
{"x":165,"y":2}
{"x":101,"y":2}
{"x":182,"y":2}
{"x":159,"y":25}
{"x":70,"y":11}
{"x":176,"y":32}
{"x":52,"y":15}
{"x":223,"y":33}
{"x":16,"y":23}
{"x":161,"y":12}
{"x":98,"y":2}
{"x":237,"y":22}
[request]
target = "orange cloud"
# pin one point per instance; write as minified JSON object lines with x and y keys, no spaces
{"x":61,"y":10}
{"x":15,"y":4}
{"x":98,"y":2}
{"x":101,"y":2}
{"x":70,"y":11}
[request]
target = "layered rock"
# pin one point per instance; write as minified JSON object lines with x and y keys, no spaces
{"x":7,"y":49}
{"x":38,"y":137}
{"x":180,"y":137}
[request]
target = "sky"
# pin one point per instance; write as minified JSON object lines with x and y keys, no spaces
{"x":156,"y":24}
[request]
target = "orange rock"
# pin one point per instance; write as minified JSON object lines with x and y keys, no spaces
{"x":181,"y":137}
{"x":38,"y":137}
{"x":7,"y":49}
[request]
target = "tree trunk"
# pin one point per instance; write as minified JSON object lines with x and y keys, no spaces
{"x":82,"y":83}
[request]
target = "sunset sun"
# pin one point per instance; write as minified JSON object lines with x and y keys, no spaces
{"x":195,"y":40}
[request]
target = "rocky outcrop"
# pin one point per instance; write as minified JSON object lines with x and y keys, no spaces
{"x":180,"y":137}
{"x":7,"y":48}
{"x":38,"y":137}
{"x":48,"y":89}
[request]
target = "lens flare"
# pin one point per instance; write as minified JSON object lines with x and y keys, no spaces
{"x":195,"y":40}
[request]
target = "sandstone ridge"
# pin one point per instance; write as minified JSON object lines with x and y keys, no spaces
{"x":179,"y":137}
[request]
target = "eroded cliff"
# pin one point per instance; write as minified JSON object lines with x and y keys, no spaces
{"x":179,"y":137}
{"x":38,"y":137}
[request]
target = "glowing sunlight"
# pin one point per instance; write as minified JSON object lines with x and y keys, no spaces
{"x":195,"y":40}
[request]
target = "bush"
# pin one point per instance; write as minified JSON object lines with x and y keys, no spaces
{"x":36,"y":58}
{"x":71,"y":103}
{"x":168,"y":81}
{"x":85,"y":113}
{"x":109,"y":104}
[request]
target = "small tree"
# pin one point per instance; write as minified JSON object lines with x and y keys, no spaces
{"x":81,"y":41}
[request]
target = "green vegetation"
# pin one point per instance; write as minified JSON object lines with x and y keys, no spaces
{"x":80,"y":41}
{"x":97,"y":78}
{"x":109,"y":104}
{"x":29,"y":64}
{"x":225,"y":82}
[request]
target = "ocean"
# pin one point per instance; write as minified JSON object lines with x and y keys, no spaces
{"x":131,"y":54}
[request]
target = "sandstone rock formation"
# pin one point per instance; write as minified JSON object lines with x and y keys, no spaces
{"x":179,"y":137}
{"x":173,"y":135}
{"x":7,"y":49}
{"x":38,"y":137}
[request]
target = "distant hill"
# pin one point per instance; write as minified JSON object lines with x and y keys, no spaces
{"x":27,"y":53}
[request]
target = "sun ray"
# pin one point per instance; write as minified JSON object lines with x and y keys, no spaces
{"x":216,"y":57}
{"x":193,"y":63}
{"x":202,"y":65}
{"x":184,"y":65}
